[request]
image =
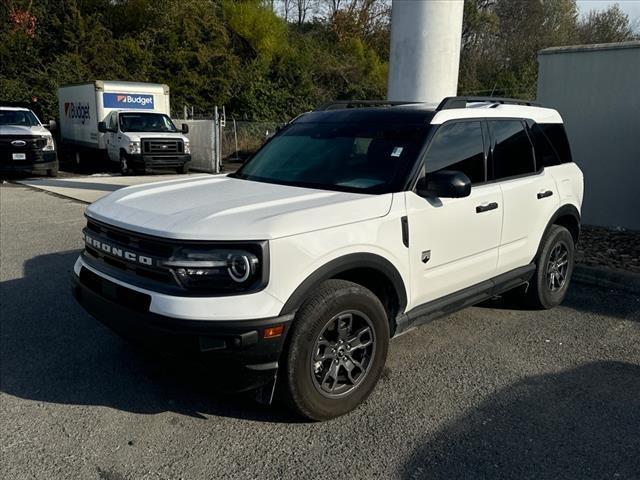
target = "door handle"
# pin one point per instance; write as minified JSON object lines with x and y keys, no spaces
{"x":546,"y":194}
{"x":487,"y":207}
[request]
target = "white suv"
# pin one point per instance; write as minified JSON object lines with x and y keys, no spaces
{"x":351,"y":225}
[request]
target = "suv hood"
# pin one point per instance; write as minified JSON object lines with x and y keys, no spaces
{"x":224,"y":208}
{"x":23,"y":130}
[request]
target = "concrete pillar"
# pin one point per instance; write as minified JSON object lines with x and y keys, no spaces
{"x":425,"y":49}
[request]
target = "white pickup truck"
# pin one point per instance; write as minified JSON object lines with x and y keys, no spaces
{"x":127,"y":122}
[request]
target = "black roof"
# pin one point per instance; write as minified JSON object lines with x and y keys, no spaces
{"x":416,"y":114}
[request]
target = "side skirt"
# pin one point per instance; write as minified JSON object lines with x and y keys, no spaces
{"x":464,"y":298}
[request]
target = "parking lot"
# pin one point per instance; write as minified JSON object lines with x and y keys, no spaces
{"x":490,"y":392}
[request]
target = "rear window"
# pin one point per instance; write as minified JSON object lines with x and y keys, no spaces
{"x":557,"y":136}
{"x":513,"y":152}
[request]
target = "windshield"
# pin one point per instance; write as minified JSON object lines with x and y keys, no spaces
{"x":338,"y":156}
{"x":146,"y":122}
{"x":24,"y":118}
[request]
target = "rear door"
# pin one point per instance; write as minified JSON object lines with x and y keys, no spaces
{"x":453,"y":242}
{"x":530,"y":194}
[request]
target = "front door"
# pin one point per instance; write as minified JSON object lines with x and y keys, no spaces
{"x":111,"y":137}
{"x":453,"y":242}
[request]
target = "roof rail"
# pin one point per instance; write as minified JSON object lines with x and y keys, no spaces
{"x":338,"y":104}
{"x":461,"y":102}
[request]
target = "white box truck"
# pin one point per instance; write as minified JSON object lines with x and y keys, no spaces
{"x":129,"y":122}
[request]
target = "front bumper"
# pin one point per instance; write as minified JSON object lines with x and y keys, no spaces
{"x":46,"y":161}
{"x":237,"y":352}
{"x":149,"y":163}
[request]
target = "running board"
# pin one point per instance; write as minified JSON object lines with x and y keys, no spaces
{"x":468,"y":297}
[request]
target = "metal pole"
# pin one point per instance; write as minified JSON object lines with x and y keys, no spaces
{"x":235,"y":136}
{"x":216,"y":141}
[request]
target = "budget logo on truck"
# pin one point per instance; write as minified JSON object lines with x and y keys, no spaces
{"x":128,"y":100}
{"x":77,"y":111}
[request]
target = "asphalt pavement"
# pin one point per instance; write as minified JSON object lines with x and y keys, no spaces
{"x":489,"y":392}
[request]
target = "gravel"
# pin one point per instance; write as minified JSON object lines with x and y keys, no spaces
{"x":619,"y":249}
{"x":489,"y":392}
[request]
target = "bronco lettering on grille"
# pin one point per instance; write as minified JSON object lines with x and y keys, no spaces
{"x":117,"y":251}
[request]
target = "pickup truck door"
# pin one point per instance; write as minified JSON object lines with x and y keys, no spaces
{"x":453,"y":242}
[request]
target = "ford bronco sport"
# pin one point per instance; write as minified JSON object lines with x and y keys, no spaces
{"x":353,"y":224}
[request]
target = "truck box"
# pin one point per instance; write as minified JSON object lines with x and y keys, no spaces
{"x":83,"y":105}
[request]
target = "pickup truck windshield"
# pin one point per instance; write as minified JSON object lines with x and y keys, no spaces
{"x":23,"y":118}
{"x":146,"y":122}
{"x":338,"y":156}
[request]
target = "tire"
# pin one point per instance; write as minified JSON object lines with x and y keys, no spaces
{"x":124,"y":168}
{"x":184,"y":169}
{"x":545,"y":292}
{"x":52,"y":172}
{"x":310,"y":387}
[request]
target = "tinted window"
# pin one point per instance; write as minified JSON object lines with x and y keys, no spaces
{"x":18,"y":117}
{"x":338,"y":156}
{"x":556,"y":134}
{"x":546,"y":156}
{"x":458,"y":146}
{"x":512,"y":154}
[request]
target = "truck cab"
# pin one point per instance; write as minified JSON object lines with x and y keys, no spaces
{"x":26,"y":145}
{"x":145,"y":141}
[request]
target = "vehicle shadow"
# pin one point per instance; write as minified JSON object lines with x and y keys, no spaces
{"x":51,"y":350}
{"x":582,"y":298}
{"x":581,"y":423}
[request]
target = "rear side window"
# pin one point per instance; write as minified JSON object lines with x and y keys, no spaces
{"x":458,"y":146}
{"x":513,"y":152}
{"x":557,"y":136}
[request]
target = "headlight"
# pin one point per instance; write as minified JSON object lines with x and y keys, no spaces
{"x":220,"y":270}
{"x":49,"y":146}
{"x":187,"y":147}
{"x":134,"y":147}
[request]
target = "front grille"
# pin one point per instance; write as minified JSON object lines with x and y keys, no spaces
{"x":32,"y":148}
{"x":162,"y":147}
{"x":155,"y":249}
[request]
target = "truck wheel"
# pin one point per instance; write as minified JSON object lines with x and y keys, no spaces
{"x":337,"y":349}
{"x":52,"y":172}
{"x":554,"y":267}
{"x":184,"y":169}
{"x":124,"y":168}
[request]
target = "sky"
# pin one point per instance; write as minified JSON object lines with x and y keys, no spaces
{"x":630,"y":7}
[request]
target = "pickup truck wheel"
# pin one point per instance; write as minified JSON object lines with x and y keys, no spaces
{"x":337,"y":350}
{"x":183,"y":169}
{"x":52,"y":172}
{"x":554,"y":267}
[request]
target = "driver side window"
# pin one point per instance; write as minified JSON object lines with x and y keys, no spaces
{"x":458,"y":146}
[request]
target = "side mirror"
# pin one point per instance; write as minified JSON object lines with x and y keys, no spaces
{"x":445,"y":184}
{"x":52,"y":125}
{"x":185,"y":128}
{"x":102,"y":127}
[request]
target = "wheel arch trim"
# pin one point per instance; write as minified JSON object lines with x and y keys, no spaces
{"x":567,"y":210}
{"x":344,"y":264}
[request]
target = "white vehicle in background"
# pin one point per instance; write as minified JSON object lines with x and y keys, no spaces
{"x":127,"y":122}
{"x":26,"y":145}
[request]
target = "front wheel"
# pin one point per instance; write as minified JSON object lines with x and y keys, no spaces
{"x":124,"y":167}
{"x":337,"y":350}
{"x":554,"y":267}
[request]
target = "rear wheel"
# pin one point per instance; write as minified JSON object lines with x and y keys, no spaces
{"x":337,"y":350}
{"x":554,"y":267}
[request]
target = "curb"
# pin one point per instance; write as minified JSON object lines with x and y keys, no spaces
{"x":607,"y":278}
